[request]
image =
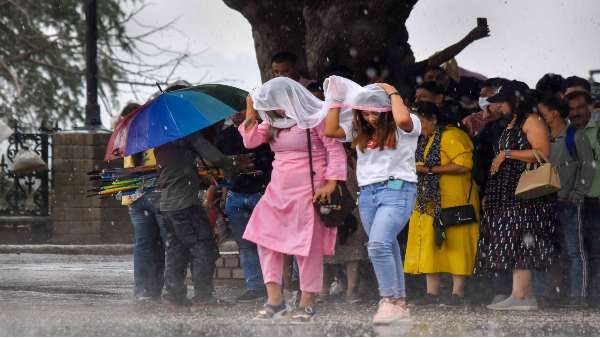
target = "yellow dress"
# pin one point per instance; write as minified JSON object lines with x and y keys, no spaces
{"x":457,"y":253}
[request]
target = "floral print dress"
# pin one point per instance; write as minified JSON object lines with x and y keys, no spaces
{"x":515,"y":233}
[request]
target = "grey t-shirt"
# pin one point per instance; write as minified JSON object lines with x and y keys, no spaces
{"x":576,"y":174}
{"x":178,"y":180}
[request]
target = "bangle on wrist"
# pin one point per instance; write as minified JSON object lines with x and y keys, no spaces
{"x":507,"y":153}
{"x":394,"y":93}
{"x":430,"y":170}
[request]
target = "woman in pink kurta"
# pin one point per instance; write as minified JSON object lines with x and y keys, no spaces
{"x":285,"y":222}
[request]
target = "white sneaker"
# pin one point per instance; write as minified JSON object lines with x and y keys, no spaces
{"x":388,"y":312}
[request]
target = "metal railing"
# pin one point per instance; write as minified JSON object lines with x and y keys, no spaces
{"x":26,"y":194}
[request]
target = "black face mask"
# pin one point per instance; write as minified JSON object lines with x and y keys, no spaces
{"x":505,"y":119}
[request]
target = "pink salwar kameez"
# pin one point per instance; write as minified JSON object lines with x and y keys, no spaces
{"x":285,"y":222}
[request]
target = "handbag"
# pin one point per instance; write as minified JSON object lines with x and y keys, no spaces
{"x":342,"y":204}
{"x":538,"y":182}
{"x":459,"y":215}
{"x":28,"y":161}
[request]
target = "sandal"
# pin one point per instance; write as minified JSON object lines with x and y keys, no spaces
{"x":303,"y":314}
{"x":272,"y":312}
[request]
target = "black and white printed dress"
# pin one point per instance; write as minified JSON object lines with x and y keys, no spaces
{"x":515,"y":233}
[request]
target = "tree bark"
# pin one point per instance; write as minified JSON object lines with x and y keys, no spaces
{"x":328,"y":33}
{"x":277,"y":25}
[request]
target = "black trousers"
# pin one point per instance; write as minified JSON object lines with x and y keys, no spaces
{"x":189,"y":240}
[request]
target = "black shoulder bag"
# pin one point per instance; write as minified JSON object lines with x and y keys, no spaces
{"x":459,"y":215}
{"x":342,"y":204}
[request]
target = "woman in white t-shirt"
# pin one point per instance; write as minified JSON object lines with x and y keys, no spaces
{"x":384,"y":134}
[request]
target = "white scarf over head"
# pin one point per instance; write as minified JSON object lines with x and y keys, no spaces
{"x":301,"y":107}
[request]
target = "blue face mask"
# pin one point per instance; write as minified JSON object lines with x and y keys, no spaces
{"x":483,"y":103}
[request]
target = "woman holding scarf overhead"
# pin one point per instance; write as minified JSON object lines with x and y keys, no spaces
{"x":285,"y":222}
{"x":444,"y":163}
{"x":385,"y":135}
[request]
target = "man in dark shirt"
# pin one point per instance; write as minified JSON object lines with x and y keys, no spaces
{"x":244,"y":192}
{"x":189,"y":235}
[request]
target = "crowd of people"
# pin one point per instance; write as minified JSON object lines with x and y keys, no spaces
{"x":411,"y":158}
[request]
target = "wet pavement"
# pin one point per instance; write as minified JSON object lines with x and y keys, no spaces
{"x":90,"y":295}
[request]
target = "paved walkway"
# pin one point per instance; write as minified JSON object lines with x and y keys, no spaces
{"x":90,"y":295}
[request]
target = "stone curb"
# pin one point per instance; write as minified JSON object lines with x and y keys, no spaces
{"x":89,"y":249}
{"x":92,"y":249}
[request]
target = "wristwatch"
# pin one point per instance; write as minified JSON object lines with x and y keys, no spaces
{"x":429,"y":171}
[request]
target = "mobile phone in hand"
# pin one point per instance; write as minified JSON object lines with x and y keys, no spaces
{"x":482,"y":22}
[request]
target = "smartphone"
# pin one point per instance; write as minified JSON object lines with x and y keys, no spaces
{"x":482,"y":22}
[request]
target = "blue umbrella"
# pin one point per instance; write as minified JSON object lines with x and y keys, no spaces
{"x":174,"y":115}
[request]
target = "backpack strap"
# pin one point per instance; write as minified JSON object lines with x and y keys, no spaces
{"x":570,"y":142}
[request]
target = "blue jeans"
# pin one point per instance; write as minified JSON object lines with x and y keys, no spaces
{"x":149,"y":250}
{"x":238,"y":209}
{"x":384,"y":212}
{"x":570,"y":217}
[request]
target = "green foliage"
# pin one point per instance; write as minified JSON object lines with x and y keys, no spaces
{"x":42,"y":57}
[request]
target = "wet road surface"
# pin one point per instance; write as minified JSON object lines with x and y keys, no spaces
{"x":84,"y":295}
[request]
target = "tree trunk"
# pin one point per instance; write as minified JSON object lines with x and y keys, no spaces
{"x":277,"y":25}
{"x":329,"y":33}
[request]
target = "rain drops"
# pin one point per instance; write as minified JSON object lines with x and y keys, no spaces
{"x":371,"y":72}
{"x":528,"y":240}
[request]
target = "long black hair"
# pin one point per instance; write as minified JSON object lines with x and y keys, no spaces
{"x":522,"y":105}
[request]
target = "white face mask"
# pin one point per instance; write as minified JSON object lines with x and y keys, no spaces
{"x":483,"y":103}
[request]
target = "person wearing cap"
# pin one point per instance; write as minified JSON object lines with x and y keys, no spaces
{"x":485,"y":128}
{"x":579,"y":101}
{"x":516,"y":235}
{"x":576,"y":83}
{"x":477,"y":121}
{"x":571,"y":154}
